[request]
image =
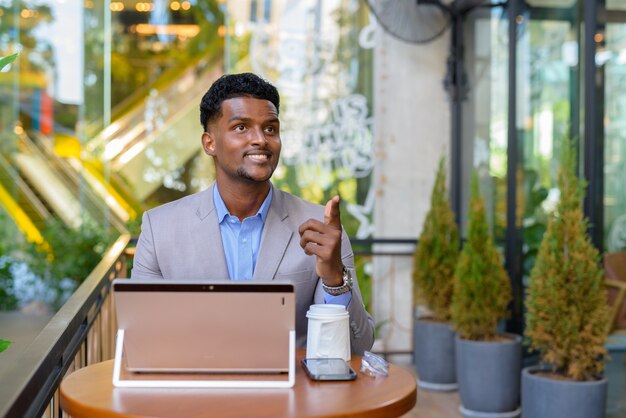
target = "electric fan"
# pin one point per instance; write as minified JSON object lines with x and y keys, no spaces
{"x":418,"y":21}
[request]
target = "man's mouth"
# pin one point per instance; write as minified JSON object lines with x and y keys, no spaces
{"x":261,"y":158}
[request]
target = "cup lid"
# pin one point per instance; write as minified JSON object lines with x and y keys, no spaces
{"x":327,"y":309}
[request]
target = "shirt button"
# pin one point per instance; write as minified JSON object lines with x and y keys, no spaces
{"x":232,"y":221}
{"x":245,"y":240}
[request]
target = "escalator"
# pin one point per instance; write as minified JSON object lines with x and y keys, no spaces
{"x":36,"y":185}
{"x":114,"y":176}
{"x":154,"y":140}
{"x":27,"y":208}
{"x":36,"y":171}
{"x":109,"y":178}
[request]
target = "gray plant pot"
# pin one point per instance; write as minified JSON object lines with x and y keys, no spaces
{"x":488,"y":373}
{"x":549,"y":398}
{"x":433,"y":349}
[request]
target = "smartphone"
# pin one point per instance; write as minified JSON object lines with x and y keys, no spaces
{"x":328,"y":369}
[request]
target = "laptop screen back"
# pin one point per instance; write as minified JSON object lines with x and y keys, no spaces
{"x":220,"y":327}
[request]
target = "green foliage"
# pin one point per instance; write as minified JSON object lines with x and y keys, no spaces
{"x":133,"y":226}
{"x":4,"y":61}
{"x":534,"y":219}
{"x":567,"y":315}
{"x":68,"y":252}
{"x":9,"y":233}
{"x":71,"y":253}
{"x":50,"y":271}
{"x":437,"y":252}
{"x":530,"y":216}
{"x":482,"y":289}
{"x":8,"y":301}
{"x":8,"y":236}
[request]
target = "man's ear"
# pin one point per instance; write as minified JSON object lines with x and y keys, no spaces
{"x":208,"y":143}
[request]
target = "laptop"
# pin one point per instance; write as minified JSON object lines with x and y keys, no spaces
{"x":205,"y":327}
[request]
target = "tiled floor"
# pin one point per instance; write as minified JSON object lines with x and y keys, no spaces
{"x":432,"y":404}
{"x":435,"y":405}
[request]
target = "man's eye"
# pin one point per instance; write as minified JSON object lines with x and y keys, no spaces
{"x":240,"y":127}
{"x":270,"y":130}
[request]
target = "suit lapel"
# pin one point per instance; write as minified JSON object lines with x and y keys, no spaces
{"x":275,"y":239}
{"x":208,"y":242}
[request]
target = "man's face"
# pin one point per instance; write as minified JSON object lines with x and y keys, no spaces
{"x":245,"y":141}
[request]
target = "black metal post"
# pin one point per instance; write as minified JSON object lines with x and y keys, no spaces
{"x":513,"y":249}
{"x":593,"y":147}
{"x":455,"y":85}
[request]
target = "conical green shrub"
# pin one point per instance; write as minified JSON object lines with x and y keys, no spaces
{"x":567,"y":314}
{"x":437,"y":252}
{"x":482,"y":289}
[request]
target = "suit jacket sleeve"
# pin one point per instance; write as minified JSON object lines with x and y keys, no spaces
{"x":145,"y":263}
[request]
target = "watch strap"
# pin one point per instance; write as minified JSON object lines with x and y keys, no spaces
{"x":343,"y":288}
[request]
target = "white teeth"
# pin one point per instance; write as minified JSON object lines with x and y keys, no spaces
{"x":258,"y":157}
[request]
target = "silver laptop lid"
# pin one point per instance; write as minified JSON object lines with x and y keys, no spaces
{"x":201,"y":326}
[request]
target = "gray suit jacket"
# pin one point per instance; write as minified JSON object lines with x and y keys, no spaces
{"x":182,"y":240}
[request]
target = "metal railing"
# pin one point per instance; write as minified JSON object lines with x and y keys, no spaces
{"x":81,"y":333}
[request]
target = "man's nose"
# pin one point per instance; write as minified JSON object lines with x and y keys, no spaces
{"x":258,"y":136}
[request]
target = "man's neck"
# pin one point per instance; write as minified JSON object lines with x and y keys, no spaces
{"x":244,"y":200}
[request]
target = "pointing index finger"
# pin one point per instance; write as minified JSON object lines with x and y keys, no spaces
{"x":332,"y":215}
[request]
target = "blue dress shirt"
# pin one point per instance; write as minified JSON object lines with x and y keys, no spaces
{"x":241,"y":241}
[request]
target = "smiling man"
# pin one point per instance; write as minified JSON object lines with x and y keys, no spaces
{"x":242,"y":228}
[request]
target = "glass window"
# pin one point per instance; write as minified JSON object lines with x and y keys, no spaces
{"x":313,"y":52}
{"x":615,"y":5}
{"x":615,"y":138}
{"x":547,"y":72}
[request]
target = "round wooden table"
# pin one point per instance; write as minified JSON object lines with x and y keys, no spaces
{"x":89,"y":393}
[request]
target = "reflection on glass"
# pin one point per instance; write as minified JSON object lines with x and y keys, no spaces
{"x":549,"y":81}
{"x":29,"y":100}
{"x":165,"y":54}
{"x":42,"y":109}
{"x":489,"y":98}
{"x":312,"y":52}
{"x":615,"y":139}
{"x":155,"y":42}
{"x":547,"y":85}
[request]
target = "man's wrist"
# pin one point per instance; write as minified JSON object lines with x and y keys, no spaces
{"x":344,"y":287}
{"x":337,"y":279}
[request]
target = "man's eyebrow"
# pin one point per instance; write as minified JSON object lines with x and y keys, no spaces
{"x":245,"y":119}
{"x":239,"y":119}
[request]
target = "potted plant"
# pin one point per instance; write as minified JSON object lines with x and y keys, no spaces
{"x":488,"y":363}
{"x":434,"y":262}
{"x":567,"y":319}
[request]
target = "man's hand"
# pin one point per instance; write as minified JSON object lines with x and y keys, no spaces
{"x":323,"y":240}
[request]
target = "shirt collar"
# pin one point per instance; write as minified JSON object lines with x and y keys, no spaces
{"x":222,"y":211}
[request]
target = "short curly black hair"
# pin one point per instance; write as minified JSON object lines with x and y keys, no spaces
{"x":234,"y":85}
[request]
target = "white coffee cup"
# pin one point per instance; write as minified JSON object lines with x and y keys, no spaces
{"x":328,"y":334}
